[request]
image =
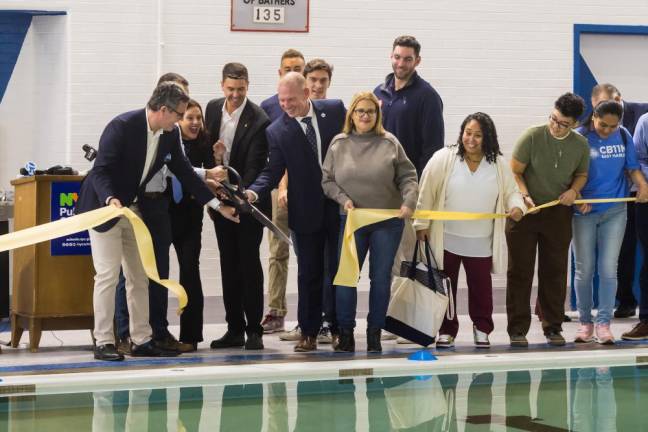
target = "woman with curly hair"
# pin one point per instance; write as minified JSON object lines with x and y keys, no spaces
{"x":469,"y":176}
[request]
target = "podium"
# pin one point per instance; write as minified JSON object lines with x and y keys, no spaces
{"x":52,"y":287}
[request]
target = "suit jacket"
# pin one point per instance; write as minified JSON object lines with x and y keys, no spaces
{"x":272,"y":108}
{"x":249,"y":153}
{"x":117,"y":171}
{"x":289,"y":149}
{"x":631,"y":113}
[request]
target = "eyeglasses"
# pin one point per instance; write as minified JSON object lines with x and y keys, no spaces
{"x":179,"y":114}
{"x":360,"y":112}
{"x":559,"y":123}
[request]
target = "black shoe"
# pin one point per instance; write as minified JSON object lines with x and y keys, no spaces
{"x":148,"y":349}
{"x":373,"y":340}
{"x":567,"y":318}
{"x":625,"y":312}
{"x":554,"y":338}
{"x":346,"y":342}
{"x":107,"y":352}
{"x":229,"y":340}
{"x":254,"y":342}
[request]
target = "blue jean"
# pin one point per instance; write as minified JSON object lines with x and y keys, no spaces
{"x":603,"y":232}
{"x":382,"y":240}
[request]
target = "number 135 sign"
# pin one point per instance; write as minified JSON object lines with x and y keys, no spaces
{"x":270,"y":15}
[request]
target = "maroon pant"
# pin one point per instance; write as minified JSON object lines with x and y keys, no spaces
{"x":480,"y":291}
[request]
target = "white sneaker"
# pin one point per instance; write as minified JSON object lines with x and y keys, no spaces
{"x":324,"y":336}
{"x":292,"y":335}
{"x":445,"y":341}
{"x":387,"y":336}
{"x":481,"y":338}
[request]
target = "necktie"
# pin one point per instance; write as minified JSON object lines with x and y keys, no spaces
{"x":176,"y":188}
{"x":311,"y":136}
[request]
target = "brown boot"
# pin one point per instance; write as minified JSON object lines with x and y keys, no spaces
{"x":306,"y":344}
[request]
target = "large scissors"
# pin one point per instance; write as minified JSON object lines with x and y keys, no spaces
{"x":233,"y":194}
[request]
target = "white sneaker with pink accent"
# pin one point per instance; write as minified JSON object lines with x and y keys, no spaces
{"x":604,"y":335}
{"x":585,"y":333}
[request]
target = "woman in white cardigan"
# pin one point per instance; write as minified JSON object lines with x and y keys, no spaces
{"x":470,"y":176}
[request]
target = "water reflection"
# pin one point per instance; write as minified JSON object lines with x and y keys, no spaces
{"x":588,"y":399}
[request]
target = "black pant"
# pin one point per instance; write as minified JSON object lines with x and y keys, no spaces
{"x":186,"y":225}
{"x":241,"y":272}
{"x":627,"y":256}
{"x":155,"y":214}
{"x":641,"y":223}
{"x":310,"y":274}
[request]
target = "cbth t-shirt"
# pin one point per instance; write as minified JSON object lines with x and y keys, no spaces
{"x":550,"y":163}
{"x":609,"y":159}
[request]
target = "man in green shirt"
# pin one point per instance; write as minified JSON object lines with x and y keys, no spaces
{"x":550,"y":162}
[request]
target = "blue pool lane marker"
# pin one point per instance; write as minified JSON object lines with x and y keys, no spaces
{"x":422,"y":355}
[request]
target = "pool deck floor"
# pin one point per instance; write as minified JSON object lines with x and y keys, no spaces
{"x":64,"y":360}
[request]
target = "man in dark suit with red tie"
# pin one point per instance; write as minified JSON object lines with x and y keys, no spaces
{"x":132,"y":148}
{"x":298,"y":141}
{"x":237,"y":126}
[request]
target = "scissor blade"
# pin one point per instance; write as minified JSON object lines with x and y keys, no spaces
{"x":268,"y":224}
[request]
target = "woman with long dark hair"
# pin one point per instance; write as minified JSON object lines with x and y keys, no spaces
{"x":186,"y":225}
{"x":602,"y":226}
{"x":469,"y":176}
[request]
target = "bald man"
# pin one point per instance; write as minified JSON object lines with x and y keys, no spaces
{"x":298,"y":141}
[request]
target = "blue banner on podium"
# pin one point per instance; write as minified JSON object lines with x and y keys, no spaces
{"x":63,"y":204}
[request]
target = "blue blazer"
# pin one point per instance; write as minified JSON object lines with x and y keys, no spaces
{"x":117,"y":171}
{"x":289,"y":149}
{"x":631,"y":113}
{"x":272,"y":108}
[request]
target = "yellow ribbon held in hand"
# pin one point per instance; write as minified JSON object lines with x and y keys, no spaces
{"x":349,"y":267}
{"x":91,"y":219}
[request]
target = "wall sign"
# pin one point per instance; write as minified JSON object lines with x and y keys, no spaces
{"x":63,"y":204}
{"x":270,"y":15}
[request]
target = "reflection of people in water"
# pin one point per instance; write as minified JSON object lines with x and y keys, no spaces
{"x":242,"y":408}
{"x":594,"y":402}
{"x":332,"y":402}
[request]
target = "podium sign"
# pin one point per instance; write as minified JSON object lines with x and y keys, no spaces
{"x":270,"y":15}
{"x":63,"y":204}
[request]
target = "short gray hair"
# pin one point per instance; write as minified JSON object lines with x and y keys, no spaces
{"x":168,"y":94}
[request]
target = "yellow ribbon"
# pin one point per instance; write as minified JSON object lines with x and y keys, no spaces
{"x":349,"y":267}
{"x":84,"y":221}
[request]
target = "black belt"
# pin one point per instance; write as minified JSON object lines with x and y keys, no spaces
{"x":154,"y":195}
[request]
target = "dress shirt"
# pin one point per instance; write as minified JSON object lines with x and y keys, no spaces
{"x":229,"y":123}
{"x":311,"y":114}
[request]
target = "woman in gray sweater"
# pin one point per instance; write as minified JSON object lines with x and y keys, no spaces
{"x":366,"y":167}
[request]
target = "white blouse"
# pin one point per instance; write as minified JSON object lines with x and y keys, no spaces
{"x":474,"y":192}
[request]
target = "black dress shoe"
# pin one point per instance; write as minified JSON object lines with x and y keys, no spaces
{"x":373,"y":340}
{"x":229,"y":340}
{"x":346,"y":342}
{"x":149,"y":349}
{"x":107,"y":352}
{"x":625,"y":312}
{"x":254,"y":342}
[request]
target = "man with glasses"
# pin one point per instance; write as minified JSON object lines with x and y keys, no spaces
{"x":132,"y":148}
{"x":550,"y":162}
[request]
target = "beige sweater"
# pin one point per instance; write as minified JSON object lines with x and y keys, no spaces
{"x":370,"y":170}
{"x":432,"y":197}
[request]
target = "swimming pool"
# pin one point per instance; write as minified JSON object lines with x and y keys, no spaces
{"x":604,"y":398}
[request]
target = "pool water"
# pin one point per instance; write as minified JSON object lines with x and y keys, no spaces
{"x":551,"y":400}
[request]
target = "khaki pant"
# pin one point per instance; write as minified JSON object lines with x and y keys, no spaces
{"x":278,"y":262}
{"x":111,"y":250}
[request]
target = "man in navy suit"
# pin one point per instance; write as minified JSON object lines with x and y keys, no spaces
{"x":132,"y":148}
{"x":298,"y":142}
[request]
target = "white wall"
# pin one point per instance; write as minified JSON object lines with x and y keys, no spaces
{"x":509,"y":58}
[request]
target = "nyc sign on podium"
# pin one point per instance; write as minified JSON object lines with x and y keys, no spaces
{"x":63,"y":204}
